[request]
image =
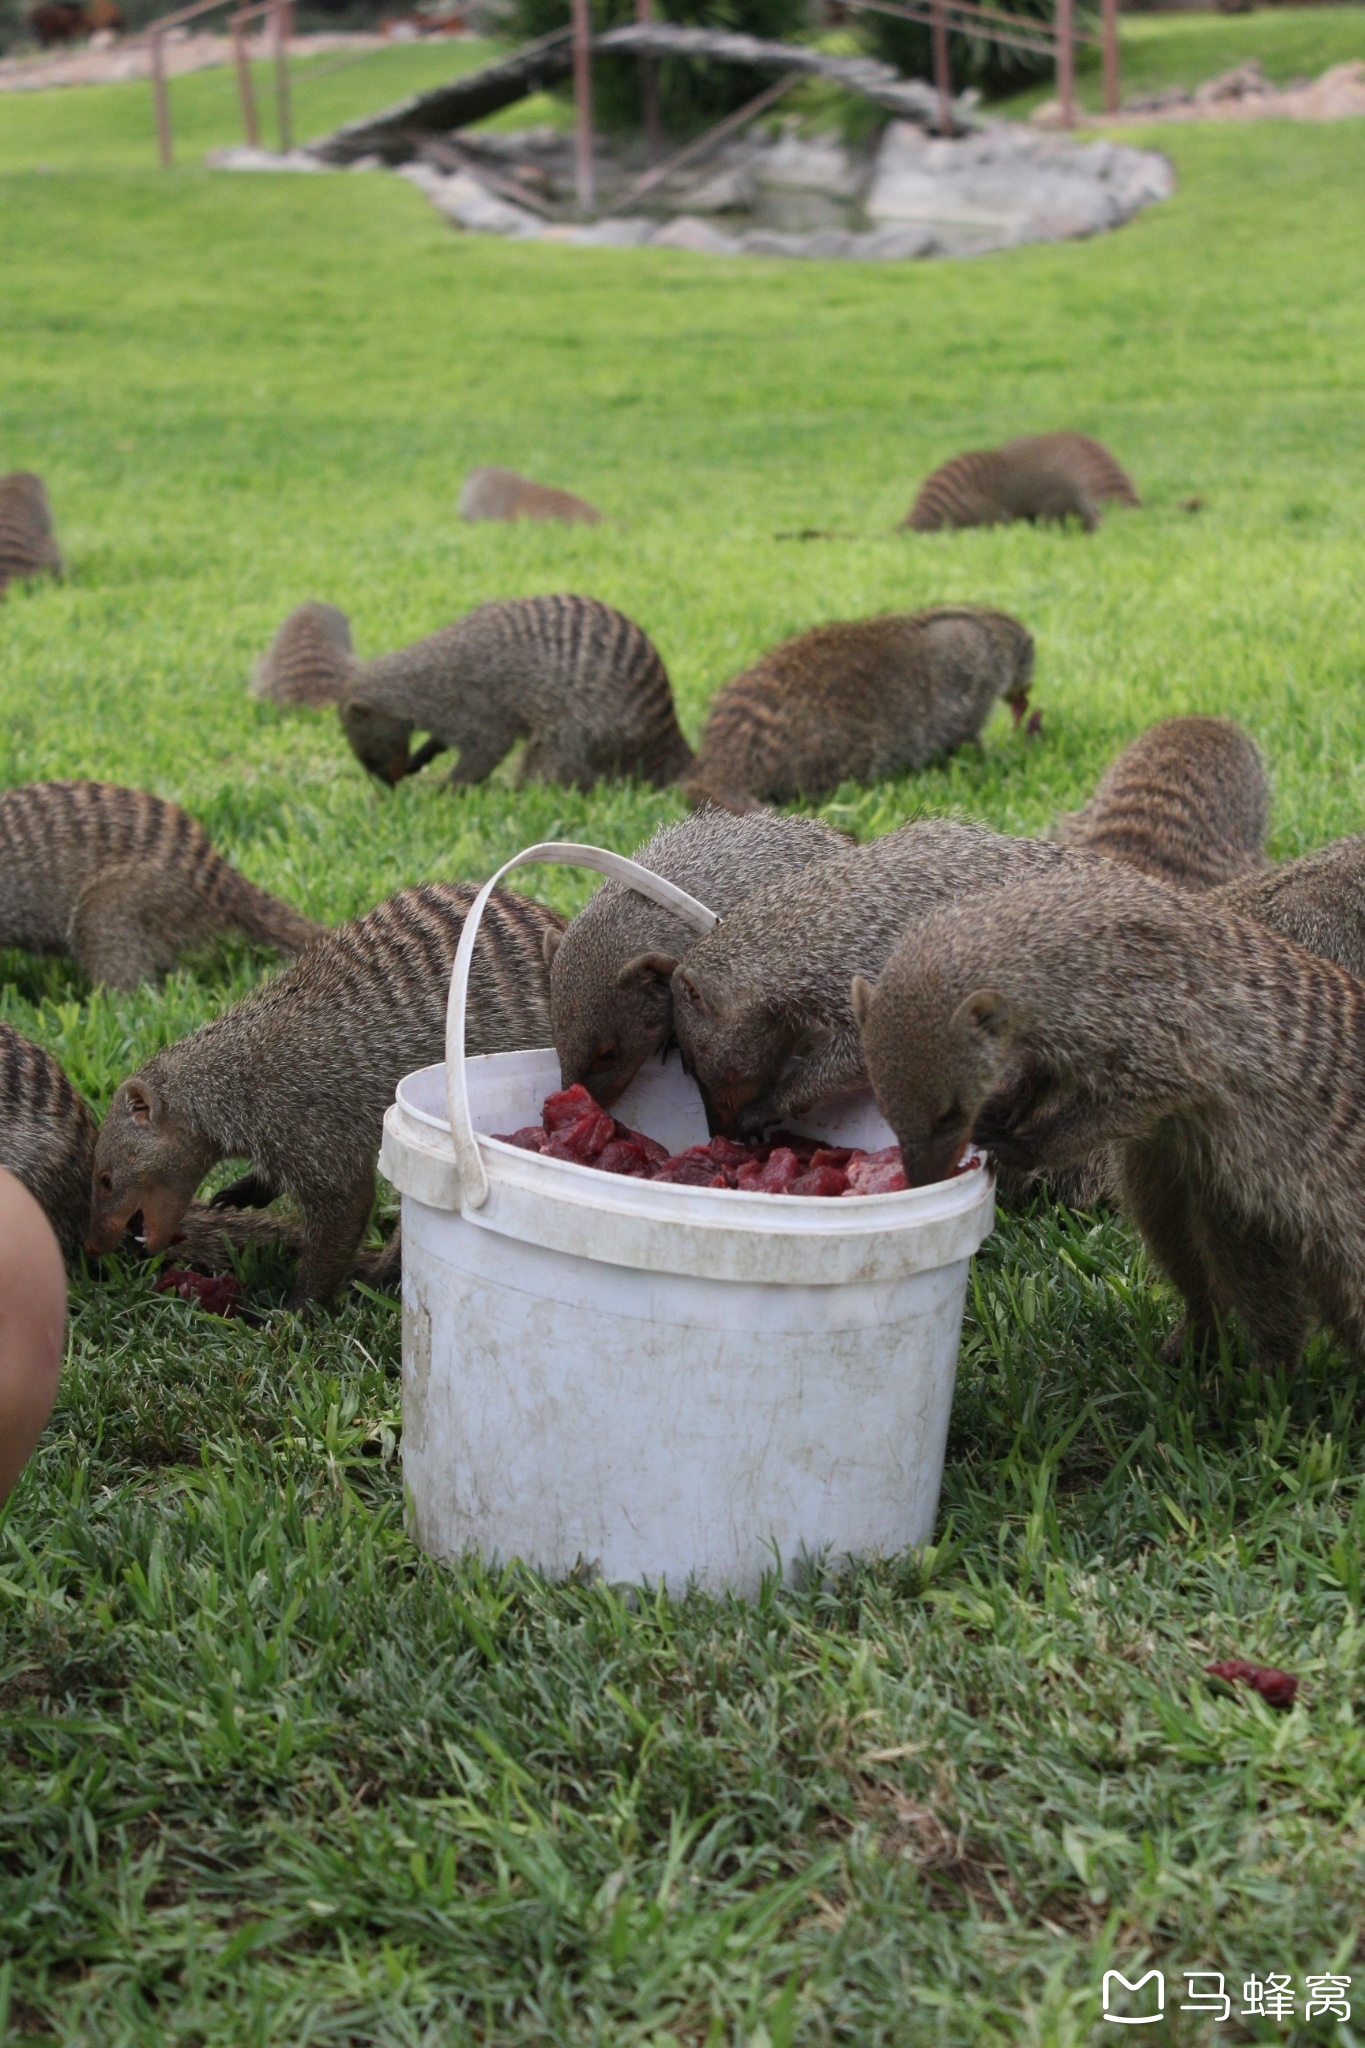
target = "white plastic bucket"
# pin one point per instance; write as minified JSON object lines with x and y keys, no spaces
{"x":669,"y":1383}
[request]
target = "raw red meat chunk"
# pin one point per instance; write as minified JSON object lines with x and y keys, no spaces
{"x":576,"y":1128}
{"x":1277,"y":1688}
{"x":219,"y":1293}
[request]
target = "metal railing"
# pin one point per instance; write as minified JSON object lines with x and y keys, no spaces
{"x":278,"y":13}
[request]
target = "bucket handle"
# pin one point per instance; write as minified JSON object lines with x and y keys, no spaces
{"x":563,"y":853}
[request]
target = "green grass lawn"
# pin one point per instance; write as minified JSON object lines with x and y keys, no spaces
{"x":266,"y":1774}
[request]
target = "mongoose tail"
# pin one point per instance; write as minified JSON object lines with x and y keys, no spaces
{"x":1186,"y":802}
{"x":1223,"y":1066}
{"x":309,"y":661}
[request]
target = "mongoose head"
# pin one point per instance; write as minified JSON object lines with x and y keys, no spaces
{"x":378,"y":740}
{"x":747,"y":1055}
{"x":147,"y":1160}
{"x":606,"y":1017}
{"x":1016,"y":646}
{"x":934,"y":1062}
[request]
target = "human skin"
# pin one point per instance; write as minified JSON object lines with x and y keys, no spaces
{"x":32,"y":1325}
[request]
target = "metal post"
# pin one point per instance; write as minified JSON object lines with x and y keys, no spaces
{"x":582,"y":93}
{"x":1110,"y":30}
{"x":1066,"y":62}
{"x":244,"y":92}
{"x":279,"y":22}
{"x":163,"y":111}
{"x":943,"y":75}
{"x":649,"y":90}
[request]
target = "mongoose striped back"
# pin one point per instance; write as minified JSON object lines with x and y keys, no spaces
{"x":493,"y":493}
{"x":28,"y":546}
{"x":309,"y":661}
{"x":1099,"y":474}
{"x":1186,"y":802}
{"x":47,"y":1136}
{"x":80,"y":858}
{"x":1040,"y":476}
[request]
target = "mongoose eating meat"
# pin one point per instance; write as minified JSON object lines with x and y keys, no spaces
{"x":611,"y":1005}
{"x":28,"y":546}
{"x":1318,"y":900}
{"x":493,"y":493}
{"x":859,"y":701}
{"x":1039,"y":476}
{"x":582,"y":684}
{"x":47,"y":1140}
{"x":309,"y":661}
{"x":761,"y":1005}
{"x":296,"y":1077}
{"x":124,"y":883}
{"x":1185,"y":802}
{"x":1223,"y":1065}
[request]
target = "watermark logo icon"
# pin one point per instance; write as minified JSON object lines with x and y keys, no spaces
{"x":1115,"y":1989}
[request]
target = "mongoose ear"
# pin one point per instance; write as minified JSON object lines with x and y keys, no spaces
{"x":987,"y":1015}
{"x":141,"y":1101}
{"x":647,"y":970}
{"x":550,"y":946}
{"x":860,"y":996}
{"x":686,"y":984}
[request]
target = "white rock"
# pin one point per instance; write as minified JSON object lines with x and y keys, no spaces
{"x":687,"y":232}
{"x":1010,"y":184}
{"x":472,"y":206}
{"x":810,"y":164}
{"x":244,"y":159}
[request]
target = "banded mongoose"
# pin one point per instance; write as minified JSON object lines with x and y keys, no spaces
{"x":28,"y":545}
{"x":124,"y":883}
{"x":1038,"y":476}
{"x":47,"y":1137}
{"x":47,"y":1140}
{"x":309,"y":661}
{"x":858,"y":701}
{"x":1223,"y":1065}
{"x":493,"y":493}
{"x":761,"y":1005}
{"x":582,"y":684}
{"x":611,"y":1005}
{"x":1186,"y":802}
{"x":295,"y":1078}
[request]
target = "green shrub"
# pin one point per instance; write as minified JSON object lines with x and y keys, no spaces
{"x":691,"y":94}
